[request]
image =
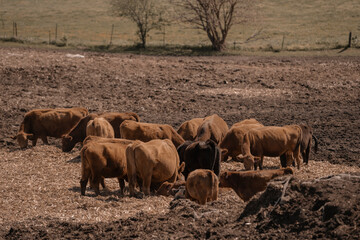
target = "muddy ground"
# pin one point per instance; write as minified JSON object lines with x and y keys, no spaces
{"x":40,"y":195}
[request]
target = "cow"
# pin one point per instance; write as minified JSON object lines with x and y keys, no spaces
{"x":167,"y":189}
{"x":149,"y":131}
{"x":103,"y":158}
{"x":43,"y":123}
{"x":202,"y":185}
{"x":272,"y":142}
{"x":200,"y":155}
{"x":100,"y":127}
{"x":305,"y":146}
{"x":153,"y":162}
{"x":78,"y":133}
{"x":188,"y":130}
{"x":214,"y":128}
{"x":232,"y":143}
{"x":247,"y":184}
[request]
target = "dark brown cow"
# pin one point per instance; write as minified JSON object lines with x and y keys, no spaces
{"x":78,"y":133}
{"x":272,"y":142}
{"x":153,"y":162}
{"x":103,"y":158}
{"x":247,"y":184}
{"x":214,"y":128}
{"x":43,"y":123}
{"x":149,"y":131}
{"x":202,"y":186}
{"x":188,"y":130}
{"x":232,"y":143}
{"x":305,"y":146}
{"x":200,"y":155}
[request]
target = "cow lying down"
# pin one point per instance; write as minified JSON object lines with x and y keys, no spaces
{"x":247,"y":184}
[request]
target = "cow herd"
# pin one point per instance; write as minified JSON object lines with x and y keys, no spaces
{"x":157,"y":158}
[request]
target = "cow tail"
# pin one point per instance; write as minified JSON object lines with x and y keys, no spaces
{"x":216,"y":160}
{"x":316,"y":143}
{"x":84,"y":163}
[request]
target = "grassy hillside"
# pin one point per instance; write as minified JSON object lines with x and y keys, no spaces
{"x":303,"y":24}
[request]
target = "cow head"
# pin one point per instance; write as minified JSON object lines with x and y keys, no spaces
{"x":164,"y":189}
{"x":22,"y":139}
{"x":67,"y":143}
{"x":249,"y":162}
{"x":223,"y":180}
{"x":180,"y":169}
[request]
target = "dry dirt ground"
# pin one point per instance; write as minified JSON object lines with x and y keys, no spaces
{"x":39,"y":186}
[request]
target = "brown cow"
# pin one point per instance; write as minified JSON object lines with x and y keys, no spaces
{"x":214,"y":128}
{"x":305,"y":146}
{"x":155,"y":161}
{"x":188,"y":130}
{"x":247,"y":184}
{"x":41,"y":123}
{"x":202,"y":185}
{"x":272,"y":142}
{"x":103,"y":158}
{"x":167,"y":189}
{"x":149,"y":131}
{"x":100,"y":127}
{"x":78,"y":133}
{"x":232,"y":143}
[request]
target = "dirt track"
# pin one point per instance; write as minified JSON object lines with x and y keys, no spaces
{"x":323,"y":92}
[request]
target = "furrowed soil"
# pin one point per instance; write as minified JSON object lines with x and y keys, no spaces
{"x":39,"y":186}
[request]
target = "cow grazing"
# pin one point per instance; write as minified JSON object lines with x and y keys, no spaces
{"x":247,"y":184}
{"x":200,"y":155}
{"x":43,"y":123}
{"x":170,"y":189}
{"x":272,"y":142}
{"x":232,"y":143}
{"x":100,"y":127}
{"x":78,"y":133}
{"x":188,"y":130}
{"x":202,"y":185}
{"x":214,"y":128}
{"x":305,"y":145}
{"x":149,"y":131}
{"x":103,"y":158}
{"x":153,"y":162}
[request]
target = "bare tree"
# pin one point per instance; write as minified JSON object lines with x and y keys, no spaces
{"x":215,"y":17}
{"x":146,"y":14}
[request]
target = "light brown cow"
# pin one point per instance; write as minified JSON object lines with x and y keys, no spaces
{"x":43,"y":123}
{"x":188,"y":130}
{"x":272,"y":142}
{"x":149,"y":131}
{"x":232,"y":143}
{"x":103,"y":158}
{"x":100,"y":127}
{"x":202,"y":185}
{"x":78,"y":133}
{"x":167,"y":189}
{"x":153,"y":162}
{"x":247,"y":184}
{"x":214,"y":128}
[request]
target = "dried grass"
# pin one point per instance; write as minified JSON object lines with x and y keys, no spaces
{"x":43,"y":182}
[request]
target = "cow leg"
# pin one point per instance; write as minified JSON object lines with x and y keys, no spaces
{"x":297,"y":157}
{"x":95,"y":185}
{"x":34,"y":141}
{"x":147,"y":182}
{"x":202,"y":200}
{"x":261,"y":162}
{"x":83,"y":183}
{"x":121,"y":185}
{"x":44,"y":139}
{"x":102,"y":182}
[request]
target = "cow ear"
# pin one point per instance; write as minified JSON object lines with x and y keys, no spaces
{"x":224,"y":151}
{"x":181,"y":167}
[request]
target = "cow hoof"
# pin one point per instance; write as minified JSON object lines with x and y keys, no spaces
{"x":139,"y":195}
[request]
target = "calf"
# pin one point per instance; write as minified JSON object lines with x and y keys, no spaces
{"x":247,"y":184}
{"x":43,"y":123}
{"x":167,"y":189}
{"x":149,"y":131}
{"x":100,"y":127}
{"x":153,"y":162}
{"x":202,"y":185}
{"x":103,"y":158}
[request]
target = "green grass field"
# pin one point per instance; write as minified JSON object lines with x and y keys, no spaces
{"x":302,"y":24}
